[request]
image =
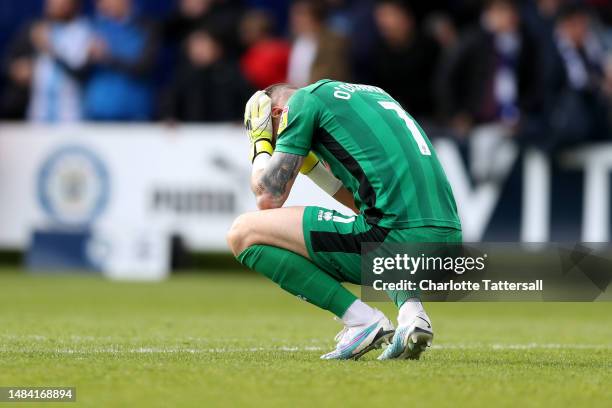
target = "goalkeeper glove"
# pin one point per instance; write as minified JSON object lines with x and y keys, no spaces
{"x":258,"y":123}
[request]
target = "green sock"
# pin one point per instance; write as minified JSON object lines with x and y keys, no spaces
{"x":399,"y":297}
{"x":298,"y":276}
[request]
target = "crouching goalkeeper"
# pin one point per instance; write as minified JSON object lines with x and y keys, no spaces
{"x":380,"y":164}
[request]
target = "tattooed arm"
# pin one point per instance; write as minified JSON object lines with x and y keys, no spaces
{"x":272,"y":184}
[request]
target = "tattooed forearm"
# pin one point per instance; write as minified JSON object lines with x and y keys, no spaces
{"x":278,"y":175}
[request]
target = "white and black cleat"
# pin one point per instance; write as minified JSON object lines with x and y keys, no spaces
{"x":410,"y":341}
{"x":354,"y":342}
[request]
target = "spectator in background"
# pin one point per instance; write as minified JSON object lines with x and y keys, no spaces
{"x":220,"y":16}
{"x":441,"y":28}
{"x":603,"y":10}
{"x":575,"y":82}
{"x":353,"y":20}
{"x":316,"y":51}
{"x":539,"y":18}
{"x":46,"y":63}
{"x":265,"y":61}
{"x":405,"y":59}
{"x":121,"y":57}
{"x":491,"y":75}
{"x":209,"y":87}
{"x":17,"y":71}
{"x":338,"y":16}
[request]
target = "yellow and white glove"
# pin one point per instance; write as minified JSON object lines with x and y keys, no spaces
{"x":258,"y":123}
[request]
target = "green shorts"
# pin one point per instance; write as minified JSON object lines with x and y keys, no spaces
{"x":333,"y":240}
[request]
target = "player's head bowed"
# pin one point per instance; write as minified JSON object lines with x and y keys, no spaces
{"x":279,"y":94}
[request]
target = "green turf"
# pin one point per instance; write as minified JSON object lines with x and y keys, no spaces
{"x":236,"y":340}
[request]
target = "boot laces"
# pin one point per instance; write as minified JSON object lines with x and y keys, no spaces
{"x":341,"y":333}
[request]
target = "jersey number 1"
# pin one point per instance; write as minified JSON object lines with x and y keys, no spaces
{"x":412,"y":127}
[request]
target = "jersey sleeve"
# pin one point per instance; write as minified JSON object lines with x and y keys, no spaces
{"x":297,"y":124}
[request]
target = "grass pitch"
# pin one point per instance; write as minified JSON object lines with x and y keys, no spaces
{"x":235,"y":339}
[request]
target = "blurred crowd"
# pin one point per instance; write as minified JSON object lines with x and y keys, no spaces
{"x":540,"y":68}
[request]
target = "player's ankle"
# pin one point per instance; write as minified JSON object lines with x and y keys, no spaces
{"x":407,"y":312}
{"x":358,"y":314}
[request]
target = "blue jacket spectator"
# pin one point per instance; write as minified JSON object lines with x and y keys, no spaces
{"x":56,"y":83}
{"x":45,"y":64}
{"x":122,"y":55}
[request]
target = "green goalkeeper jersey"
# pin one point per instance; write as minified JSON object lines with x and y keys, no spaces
{"x":378,"y":151}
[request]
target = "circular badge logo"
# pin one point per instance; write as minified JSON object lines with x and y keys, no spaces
{"x":73,"y":186}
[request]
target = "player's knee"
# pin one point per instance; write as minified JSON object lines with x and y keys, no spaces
{"x":239,"y":236}
{"x":234,"y":236}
